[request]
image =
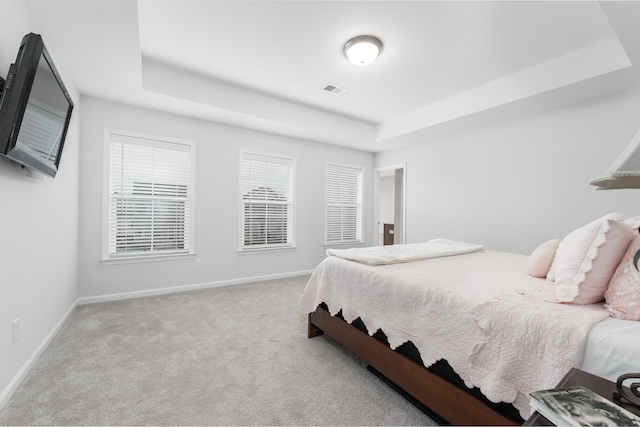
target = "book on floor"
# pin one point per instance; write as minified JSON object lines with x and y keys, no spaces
{"x":579,"y":406}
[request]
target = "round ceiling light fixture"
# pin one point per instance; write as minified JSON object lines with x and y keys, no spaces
{"x":362,"y":50}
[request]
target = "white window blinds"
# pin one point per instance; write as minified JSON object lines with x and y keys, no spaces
{"x":267,"y":200}
{"x":343,"y":195}
{"x":150,"y":196}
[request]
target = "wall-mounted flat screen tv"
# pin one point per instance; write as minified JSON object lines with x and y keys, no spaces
{"x":35,"y":109}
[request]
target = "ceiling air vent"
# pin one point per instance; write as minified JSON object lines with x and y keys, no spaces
{"x":333,"y":89}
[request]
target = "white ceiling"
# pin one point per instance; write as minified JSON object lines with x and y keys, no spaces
{"x":446,"y":66}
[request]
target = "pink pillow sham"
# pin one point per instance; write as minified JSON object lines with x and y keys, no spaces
{"x":539,"y":261}
{"x":622,"y":297}
{"x":587,"y":258}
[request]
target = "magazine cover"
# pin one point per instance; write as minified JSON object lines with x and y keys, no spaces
{"x":578,"y":406}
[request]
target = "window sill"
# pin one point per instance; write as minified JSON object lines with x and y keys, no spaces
{"x":264,"y":250}
{"x":145,"y":258}
{"x":344,"y":244}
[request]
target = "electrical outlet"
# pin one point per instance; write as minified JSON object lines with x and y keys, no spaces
{"x":198,"y":263}
{"x":15,"y":330}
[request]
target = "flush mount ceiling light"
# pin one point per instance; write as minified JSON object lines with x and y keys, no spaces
{"x":362,"y":50}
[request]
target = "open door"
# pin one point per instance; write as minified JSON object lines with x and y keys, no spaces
{"x":389,"y":204}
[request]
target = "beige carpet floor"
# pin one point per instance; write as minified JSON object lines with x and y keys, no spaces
{"x":235,"y":355}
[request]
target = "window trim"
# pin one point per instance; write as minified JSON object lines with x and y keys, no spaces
{"x":106,"y":256}
{"x":361,"y":170}
{"x":283,"y":247}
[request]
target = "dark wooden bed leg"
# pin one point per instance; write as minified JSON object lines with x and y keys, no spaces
{"x":313,"y":330}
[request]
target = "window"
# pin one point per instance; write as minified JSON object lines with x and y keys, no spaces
{"x":267,"y":201}
{"x":343,"y":212}
{"x":149,"y":191}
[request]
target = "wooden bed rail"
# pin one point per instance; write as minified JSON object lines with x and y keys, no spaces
{"x":447,"y":400}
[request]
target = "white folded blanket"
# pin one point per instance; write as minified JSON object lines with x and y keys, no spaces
{"x":395,"y":254}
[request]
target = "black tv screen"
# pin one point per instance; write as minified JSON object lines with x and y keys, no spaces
{"x":35,"y":109}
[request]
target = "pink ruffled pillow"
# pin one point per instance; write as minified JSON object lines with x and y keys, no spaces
{"x":539,"y":261}
{"x":622,"y":297}
{"x":587,"y":258}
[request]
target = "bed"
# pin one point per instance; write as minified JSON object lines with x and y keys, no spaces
{"x":466,"y":332}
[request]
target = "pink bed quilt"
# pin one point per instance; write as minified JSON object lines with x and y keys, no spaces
{"x":493,"y":323}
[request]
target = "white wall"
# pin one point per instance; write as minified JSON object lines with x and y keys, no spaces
{"x":517,"y":184}
{"x":38,"y":229}
{"x":217,"y":201}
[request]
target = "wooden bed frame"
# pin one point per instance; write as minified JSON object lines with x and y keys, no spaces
{"x":448,"y":401}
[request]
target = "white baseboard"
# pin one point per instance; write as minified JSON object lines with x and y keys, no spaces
{"x":22,"y":373}
{"x":185,"y":288}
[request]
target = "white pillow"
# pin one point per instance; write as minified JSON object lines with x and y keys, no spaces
{"x":539,"y":261}
{"x":587,"y":258}
{"x":551,"y":274}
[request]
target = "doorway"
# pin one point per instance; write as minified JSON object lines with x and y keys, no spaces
{"x":390,"y":205}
